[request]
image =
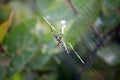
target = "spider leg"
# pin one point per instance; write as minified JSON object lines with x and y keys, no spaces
{"x":76,"y":53}
{"x":62,"y":29}
{"x":58,"y":44}
{"x":61,"y":32}
{"x":65,"y":47}
{"x":51,"y":27}
{"x":59,"y":36}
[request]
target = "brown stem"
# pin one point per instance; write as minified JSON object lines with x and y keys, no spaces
{"x":11,"y":17}
{"x":71,"y":6}
{"x":2,"y":49}
{"x":93,"y":54}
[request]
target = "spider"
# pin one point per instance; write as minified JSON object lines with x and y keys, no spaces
{"x":58,"y":37}
{"x":61,"y":43}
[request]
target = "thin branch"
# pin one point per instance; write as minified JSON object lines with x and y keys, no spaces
{"x":11,"y":16}
{"x":71,"y":6}
{"x":93,"y":54}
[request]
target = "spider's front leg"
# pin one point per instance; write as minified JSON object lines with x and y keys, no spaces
{"x":58,"y":44}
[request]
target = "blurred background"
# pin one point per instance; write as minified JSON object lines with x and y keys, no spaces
{"x":29,"y":51}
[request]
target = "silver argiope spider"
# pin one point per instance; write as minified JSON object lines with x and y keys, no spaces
{"x":58,"y":38}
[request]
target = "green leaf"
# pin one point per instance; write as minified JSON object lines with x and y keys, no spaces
{"x":110,"y":53}
{"x":77,"y":30}
{"x":43,"y":5}
{"x":2,"y":72}
{"x":89,"y":40}
{"x":39,"y":61}
{"x":23,"y":10}
{"x":77,"y":26}
{"x":21,"y":44}
{"x":88,"y":10}
{"x":112,"y":4}
{"x":85,"y":19}
{"x":17,"y":76}
{"x":60,"y":11}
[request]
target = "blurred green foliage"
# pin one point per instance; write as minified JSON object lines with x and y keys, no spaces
{"x":32,"y":52}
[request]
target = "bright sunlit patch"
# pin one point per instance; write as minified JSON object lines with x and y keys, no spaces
{"x":98,"y":22}
{"x":48,"y":17}
{"x":110,"y":58}
{"x":63,"y":22}
{"x":36,"y":29}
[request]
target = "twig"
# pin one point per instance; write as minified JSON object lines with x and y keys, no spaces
{"x":11,"y":16}
{"x":71,"y":6}
{"x":93,"y":54}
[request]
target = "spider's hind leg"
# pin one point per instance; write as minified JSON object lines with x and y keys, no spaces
{"x":65,"y":47}
{"x":76,"y":53}
{"x":58,"y":44}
